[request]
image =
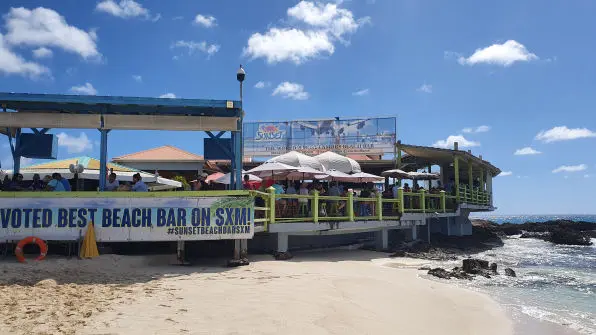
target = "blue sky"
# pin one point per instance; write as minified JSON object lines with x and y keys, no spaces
{"x":503,"y":75}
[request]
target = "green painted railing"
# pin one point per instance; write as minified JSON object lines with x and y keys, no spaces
{"x":287,"y":208}
{"x":473,"y":196}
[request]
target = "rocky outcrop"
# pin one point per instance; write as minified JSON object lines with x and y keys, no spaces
{"x":569,"y":237}
{"x":557,"y":231}
{"x":509,"y":272}
{"x":470,"y":267}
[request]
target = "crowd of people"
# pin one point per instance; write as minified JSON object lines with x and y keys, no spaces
{"x":364,"y":203}
{"x":53,"y":182}
{"x":57,"y":183}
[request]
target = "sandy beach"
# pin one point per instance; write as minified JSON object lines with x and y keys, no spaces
{"x":323,"y":292}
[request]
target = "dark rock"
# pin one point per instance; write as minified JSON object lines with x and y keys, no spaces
{"x":493,"y":268}
{"x":439,"y":272}
{"x":474,"y":266}
{"x":232,"y":263}
{"x":533,"y":234}
{"x":282,"y":256}
{"x":398,"y":253}
{"x":460,"y":274}
{"x":509,"y":272}
{"x":569,"y":237}
{"x":424,"y":268}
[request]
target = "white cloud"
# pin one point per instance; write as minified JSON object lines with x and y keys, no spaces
{"x":297,"y":46}
{"x":362,"y":92}
{"x":86,"y":89}
{"x":11,"y":63}
{"x":505,"y":174}
{"x":425,"y":88}
{"x":462,"y":142}
{"x":42,"y":53}
{"x":500,"y":54}
{"x":45,"y":27}
{"x":74,"y":144}
{"x":291,"y":90}
{"x":137,"y":78}
{"x":479,"y":129}
{"x":262,"y":84}
{"x":326,"y":24}
{"x":563,"y":133}
{"x":329,"y":17}
{"x":168,"y":96}
{"x":571,"y":168}
{"x":526,"y":151}
{"x":126,"y":9}
{"x":586,"y":176}
{"x":192,"y":46}
{"x":206,"y":21}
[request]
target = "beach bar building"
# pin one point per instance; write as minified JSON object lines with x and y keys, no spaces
{"x":234,"y":214}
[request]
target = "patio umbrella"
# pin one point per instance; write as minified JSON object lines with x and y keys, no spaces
{"x":304,"y":173}
{"x":214,"y":176}
{"x":335,"y":176}
{"x":225,"y":179}
{"x":396,"y":173}
{"x":271,"y":169}
{"x":333,"y":161}
{"x":298,"y":159}
{"x":363,"y":177}
{"x":423,"y":176}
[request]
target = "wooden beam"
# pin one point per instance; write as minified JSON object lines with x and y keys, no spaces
{"x":123,"y":122}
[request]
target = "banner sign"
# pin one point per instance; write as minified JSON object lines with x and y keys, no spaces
{"x":351,"y":136}
{"x":128,"y":219}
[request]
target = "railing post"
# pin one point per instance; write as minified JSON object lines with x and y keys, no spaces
{"x":271,"y":191}
{"x":350,"y":206}
{"x":443,"y":207}
{"x":456,"y":168}
{"x":315,"y":207}
{"x":423,"y":200}
{"x":400,"y":196}
{"x":380,"y":206}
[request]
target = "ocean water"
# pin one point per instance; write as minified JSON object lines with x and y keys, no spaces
{"x":554,"y":283}
{"x":534,"y":218}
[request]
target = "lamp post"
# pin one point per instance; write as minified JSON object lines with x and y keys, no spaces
{"x":240,"y":76}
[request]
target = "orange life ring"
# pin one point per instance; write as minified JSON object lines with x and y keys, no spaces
{"x":43,"y":248}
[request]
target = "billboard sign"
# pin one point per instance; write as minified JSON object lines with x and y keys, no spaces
{"x":128,"y":218}
{"x":366,"y":136}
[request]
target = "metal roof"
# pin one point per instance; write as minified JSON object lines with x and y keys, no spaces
{"x":125,"y":113}
{"x":419,"y":154}
{"x":88,"y":104}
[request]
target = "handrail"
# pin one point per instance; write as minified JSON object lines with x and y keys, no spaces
{"x":324,"y":208}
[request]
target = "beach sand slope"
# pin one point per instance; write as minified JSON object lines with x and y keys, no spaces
{"x":328,"y":292}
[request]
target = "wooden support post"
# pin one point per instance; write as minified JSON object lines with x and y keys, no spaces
{"x":271,"y":206}
{"x":315,"y":207}
{"x":470,"y":178}
{"x":423,"y":200}
{"x":350,"y":206}
{"x":400,"y":196}
{"x":443,"y":207}
{"x":379,"y":207}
